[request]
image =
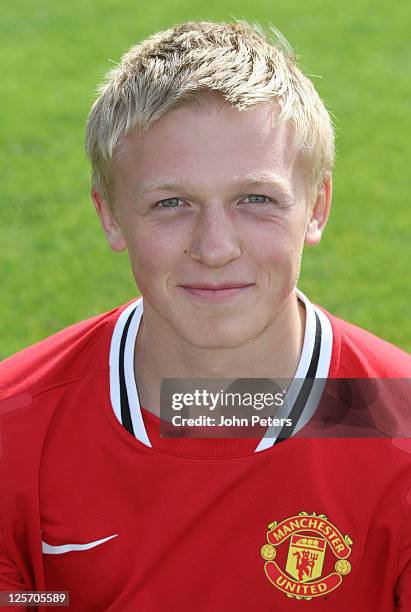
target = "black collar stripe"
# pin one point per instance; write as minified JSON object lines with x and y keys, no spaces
{"x":301,"y":401}
{"x":124,"y":403}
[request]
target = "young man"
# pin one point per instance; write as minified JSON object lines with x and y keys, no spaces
{"x":212,"y":157}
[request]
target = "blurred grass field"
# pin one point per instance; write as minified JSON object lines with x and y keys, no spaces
{"x":55,"y":266}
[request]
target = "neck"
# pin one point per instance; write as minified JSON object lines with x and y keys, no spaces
{"x":160,"y":353}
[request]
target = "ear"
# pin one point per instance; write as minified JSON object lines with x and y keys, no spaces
{"x":319,"y":213}
{"x":108,"y":221}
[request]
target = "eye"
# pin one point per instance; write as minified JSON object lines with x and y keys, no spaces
{"x":256,"y":198}
{"x":168,"y":203}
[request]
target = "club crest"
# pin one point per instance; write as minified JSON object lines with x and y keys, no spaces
{"x":306,"y":555}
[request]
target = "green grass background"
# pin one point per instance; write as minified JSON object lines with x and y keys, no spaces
{"x":55,"y":265}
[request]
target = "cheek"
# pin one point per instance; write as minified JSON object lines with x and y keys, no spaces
{"x":152,"y":256}
{"x":281,"y":246}
{"x":277,"y":254}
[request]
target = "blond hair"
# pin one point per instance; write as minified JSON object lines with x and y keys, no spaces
{"x":238,"y":60}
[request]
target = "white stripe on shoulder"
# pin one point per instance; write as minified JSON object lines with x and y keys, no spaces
{"x":115,"y":355}
{"x":323,"y":367}
{"x":131,"y":383}
{"x":294,"y":389}
{"x":327,"y":339}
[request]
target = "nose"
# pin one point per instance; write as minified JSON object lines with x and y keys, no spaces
{"x":215,"y":241}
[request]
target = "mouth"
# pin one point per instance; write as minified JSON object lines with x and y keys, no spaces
{"x":215,"y":293}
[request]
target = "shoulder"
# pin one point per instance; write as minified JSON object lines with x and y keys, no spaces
{"x":357,"y":353}
{"x":41,"y":382}
{"x":61,"y":358}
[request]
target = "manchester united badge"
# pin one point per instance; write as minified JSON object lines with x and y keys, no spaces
{"x":306,"y":555}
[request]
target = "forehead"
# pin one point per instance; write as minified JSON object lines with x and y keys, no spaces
{"x":213,"y":145}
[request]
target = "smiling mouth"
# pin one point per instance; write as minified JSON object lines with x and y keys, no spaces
{"x":209,"y":293}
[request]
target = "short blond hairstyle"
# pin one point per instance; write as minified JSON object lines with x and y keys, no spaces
{"x":239,"y":61}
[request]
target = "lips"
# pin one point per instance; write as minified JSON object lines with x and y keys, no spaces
{"x":216,"y":287}
{"x":215,"y":293}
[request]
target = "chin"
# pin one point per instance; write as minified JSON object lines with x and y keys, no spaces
{"x":222,"y":336}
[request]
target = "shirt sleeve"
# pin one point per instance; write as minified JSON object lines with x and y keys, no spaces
{"x":403,"y":586}
{"x":10,"y":579}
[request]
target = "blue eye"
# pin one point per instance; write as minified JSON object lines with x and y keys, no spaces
{"x":255,"y":198}
{"x":168,"y":203}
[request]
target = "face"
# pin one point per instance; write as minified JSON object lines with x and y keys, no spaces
{"x":213,"y":209}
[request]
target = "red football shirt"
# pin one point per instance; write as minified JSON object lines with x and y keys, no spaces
{"x":93,"y":501}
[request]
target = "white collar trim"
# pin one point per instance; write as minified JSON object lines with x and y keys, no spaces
{"x":132,"y":316}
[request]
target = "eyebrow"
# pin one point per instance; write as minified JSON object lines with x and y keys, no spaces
{"x":252,"y":180}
